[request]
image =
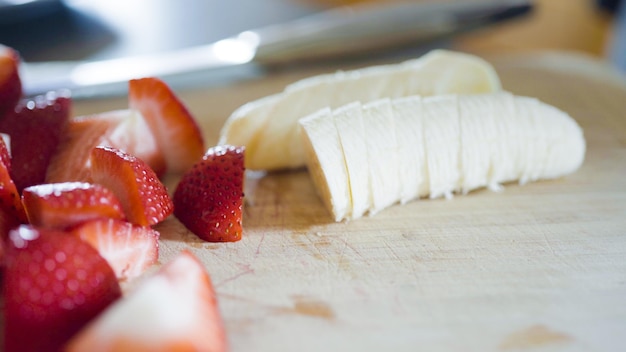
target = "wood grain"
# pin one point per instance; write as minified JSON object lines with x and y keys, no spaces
{"x":533,"y":268}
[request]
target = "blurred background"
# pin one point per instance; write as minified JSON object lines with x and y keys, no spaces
{"x":46,"y":30}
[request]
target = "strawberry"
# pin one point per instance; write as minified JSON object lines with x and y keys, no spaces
{"x":121,"y":129}
{"x":53,"y":285}
{"x":5,"y":152}
{"x":175,"y":130}
{"x":10,"y":83}
{"x":63,"y":205}
{"x":173,"y":310}
{"x":1,"y":249}
{"x":8,"y":221}
{"x":208,"y":198}
{"x":10,"y":202}
{"x":144,"y":198}
{"x":128,"y":248}
{"x":35,"y":127}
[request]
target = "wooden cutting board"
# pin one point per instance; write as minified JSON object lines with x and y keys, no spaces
{"x":534,"y":268}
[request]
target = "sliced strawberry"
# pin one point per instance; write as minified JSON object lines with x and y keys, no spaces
{"x":10,"y":83}
{"x":176,"y":131}
{"x":5,"y":151}
{"x":35,"y":127}
{"x":8,"y":221}
{"x":63,"y":205}
{"x":1,"y":249}
{"x":53,"y":285}
{"x":144,"y":198}
{"x":10,"y":202}
{"x":121,"y":129}
{"x":209,"y":197}
{"x":128,"y":248}
{"x":173,"y":310}
{"x":71,"y":162}
{"x":134,"y":137}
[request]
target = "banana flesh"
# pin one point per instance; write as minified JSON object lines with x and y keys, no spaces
{"x":324,"y":153}
{"x":364,"y":158}
{"x":268,"y":127}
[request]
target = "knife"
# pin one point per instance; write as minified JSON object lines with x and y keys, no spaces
{"x":330,"y":34}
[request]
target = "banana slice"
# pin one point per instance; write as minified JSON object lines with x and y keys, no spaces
{"x":532,"y":139}
{"x":382,"y":154}
{"x":505,"y":164}
{"x":349,"y":123}
{"x":435,"y":146}
{"x":442,"y":139}
{"x":326,"y":163}
{"x":566,"y":143}
{"x":478,"y":140}
{"x":413,"y":168}
{"x":268,"y":127}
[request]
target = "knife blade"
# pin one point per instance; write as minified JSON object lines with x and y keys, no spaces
{"x":330,"y":34}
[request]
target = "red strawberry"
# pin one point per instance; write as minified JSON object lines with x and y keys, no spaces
{"x":63,"y":205}
{"x":1,"y":249}
{"x":8,"y":221}
{"x":208,"y":198}
{"x":144,"y":198}
{"x":121,"y":129}
{"x":5,"y":152}
{"x":35,"y":127}
{"x":173,"y":310}
{"x":54,"y":284}
{"x":10,"y":83}
{"x":10,"y":202}
{"x":175,"y":130}
{"x":129,"y":249}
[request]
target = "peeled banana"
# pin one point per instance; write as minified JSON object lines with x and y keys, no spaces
{"x":366,"y":157}
{"x":268,"y":127}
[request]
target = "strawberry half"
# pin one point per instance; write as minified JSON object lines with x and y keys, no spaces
{"x":144,"y":198}
{"x":129,"y":249}
{"x":53,"y":285}
{"x":10,"y":83}
{"x":122,"y":129}
{"x":175,"y":130}
{"x":8,"y":221}
{"x":10,"y":202}
{"x":173,"y":310}
{"x":209,"y":197}
{"x":35,"y":127}
{"x":63,"y":205}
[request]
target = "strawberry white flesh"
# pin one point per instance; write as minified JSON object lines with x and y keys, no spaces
{"x":130,"y":250}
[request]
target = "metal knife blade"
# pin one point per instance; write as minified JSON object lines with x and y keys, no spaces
{"x":338,"y":32}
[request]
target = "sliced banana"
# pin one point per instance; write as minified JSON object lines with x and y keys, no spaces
{"x":532,"y":139}
{"x":505,"y":163}
{"x":442,"y":139}
{"x":268,"y":127}
{"x":435,"y":146}
{"x":566,"y":142}
{"x":382,"y":154}
{"x":478,"y":140}
{"x":349,"y":122}
{"x":413,"y":168}
{"x":326,"y":163}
